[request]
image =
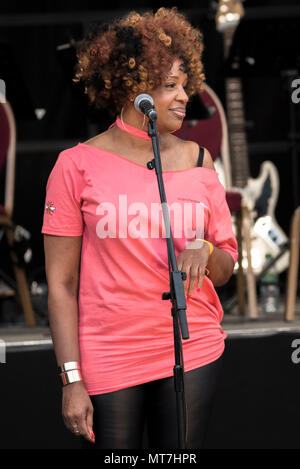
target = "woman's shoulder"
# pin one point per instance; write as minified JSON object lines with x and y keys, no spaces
{"x":75,"y":159}
{"x":98,"y":141}
{"x":79,"y":154}
{"x":192,"y":149}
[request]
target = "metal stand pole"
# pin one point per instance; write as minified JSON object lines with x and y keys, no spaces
{"x":176,"y":294}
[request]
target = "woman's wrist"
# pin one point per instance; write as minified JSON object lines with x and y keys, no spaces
{"x":69,"y":377}
{"x":208,"y":243}
{"x":72,"y":386}
{"x":70,"y":372}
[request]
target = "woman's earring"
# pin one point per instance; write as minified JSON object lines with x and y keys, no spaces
{"x":144,"y":120}
{"x":121,"y":116}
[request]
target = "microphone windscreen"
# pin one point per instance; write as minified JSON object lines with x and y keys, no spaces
{"x":140,"y":98}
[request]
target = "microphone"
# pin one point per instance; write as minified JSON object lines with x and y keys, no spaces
{"x":145,"y":104}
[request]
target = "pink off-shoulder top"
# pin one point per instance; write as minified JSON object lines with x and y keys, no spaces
{"x":125,"y":328}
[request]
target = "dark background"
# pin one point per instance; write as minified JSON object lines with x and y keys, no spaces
{"x":37,"y":76}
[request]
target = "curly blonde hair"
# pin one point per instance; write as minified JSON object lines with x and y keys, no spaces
{"x":133,"y":55}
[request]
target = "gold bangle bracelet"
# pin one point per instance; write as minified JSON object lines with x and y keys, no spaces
{"x":211,"y":247}
{"x":68,"y":366}
{"x":69,"y":377}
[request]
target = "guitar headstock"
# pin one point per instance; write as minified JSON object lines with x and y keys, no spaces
{"x":229,"y":13}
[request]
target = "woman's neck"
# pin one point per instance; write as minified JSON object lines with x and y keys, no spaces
{"x":130,"y":132}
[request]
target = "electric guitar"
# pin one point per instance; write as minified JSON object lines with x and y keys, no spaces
{"x":260,"y":195}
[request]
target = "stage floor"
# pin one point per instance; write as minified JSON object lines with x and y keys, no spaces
{"x":232,"y":324}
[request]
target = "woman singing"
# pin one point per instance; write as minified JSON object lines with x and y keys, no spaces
{"x":105,"y":246}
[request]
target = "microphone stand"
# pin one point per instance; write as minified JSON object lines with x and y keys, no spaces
{"x":176,"y":294}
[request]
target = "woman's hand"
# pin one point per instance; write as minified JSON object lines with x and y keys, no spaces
{"x":77,"y":410}
{"x":193,"y":260}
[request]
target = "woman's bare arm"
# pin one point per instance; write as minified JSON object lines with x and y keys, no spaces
{"x":62,"y":260}
{"x":220,"y":263}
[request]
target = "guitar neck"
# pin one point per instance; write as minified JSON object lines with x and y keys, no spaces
{"x":237,"y":133}
{"x":236,"y":122}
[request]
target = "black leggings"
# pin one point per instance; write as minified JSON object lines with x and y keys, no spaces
{"x":120,"y":416}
